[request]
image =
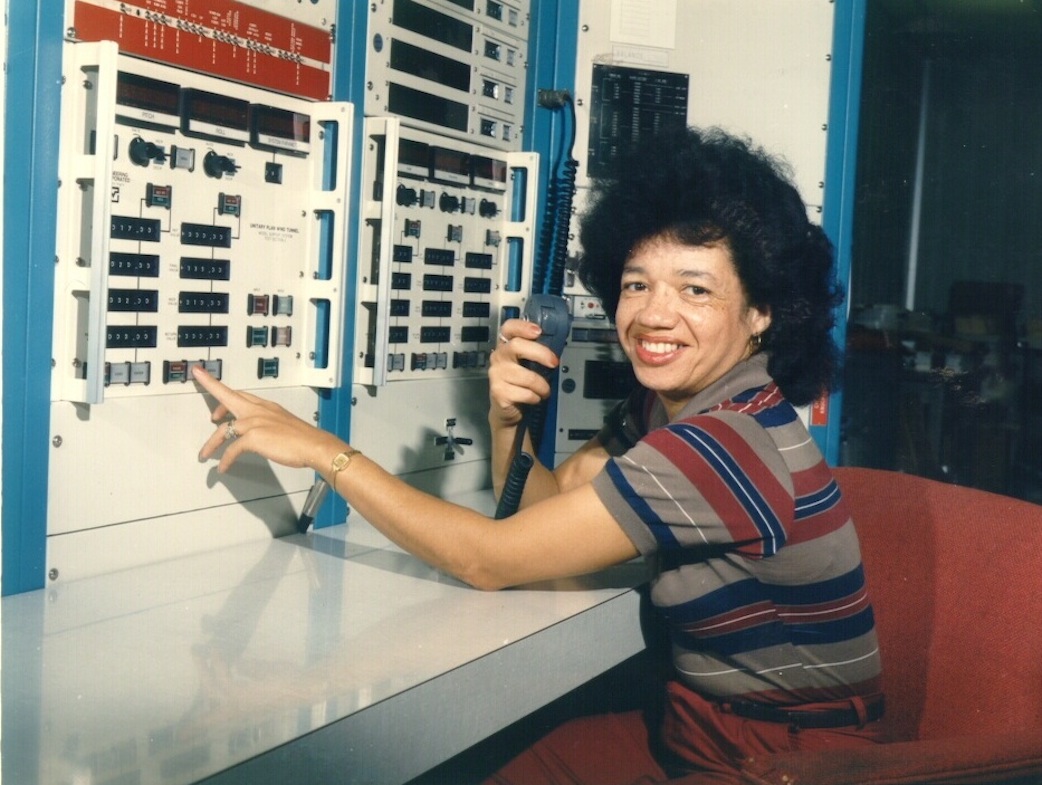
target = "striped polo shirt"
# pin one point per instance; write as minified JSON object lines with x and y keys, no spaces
{"x":758,"y":572}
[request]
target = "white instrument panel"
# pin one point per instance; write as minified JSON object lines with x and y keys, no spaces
{"x":199,"y":221}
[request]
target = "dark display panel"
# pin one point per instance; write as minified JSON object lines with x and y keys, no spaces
{"x":628,"y":104}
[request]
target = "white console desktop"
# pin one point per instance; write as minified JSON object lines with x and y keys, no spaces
{"x":326,"y":657}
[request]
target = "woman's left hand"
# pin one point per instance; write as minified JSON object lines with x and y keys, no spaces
{"x":261,"y":426}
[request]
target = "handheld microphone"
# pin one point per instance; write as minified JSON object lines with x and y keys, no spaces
{"x":550,"y":312}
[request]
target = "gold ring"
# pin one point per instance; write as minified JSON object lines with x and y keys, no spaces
{"x":231,"y":433}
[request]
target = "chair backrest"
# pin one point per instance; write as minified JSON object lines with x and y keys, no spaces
{"x":955,"y":576}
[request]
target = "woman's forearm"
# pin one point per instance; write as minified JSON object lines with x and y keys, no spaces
{"x":486,"y":553}
{"x":570,"y":534}
{"x":445,"y":535}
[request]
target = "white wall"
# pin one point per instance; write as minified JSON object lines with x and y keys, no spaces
{"x":756,"y":69}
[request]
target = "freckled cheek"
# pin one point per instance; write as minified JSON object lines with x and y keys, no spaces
{"x":698,"y":321}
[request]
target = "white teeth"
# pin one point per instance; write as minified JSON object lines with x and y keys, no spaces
{"x":659,"y":347}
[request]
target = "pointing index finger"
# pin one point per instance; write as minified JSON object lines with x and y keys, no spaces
{"x":224,"y":394}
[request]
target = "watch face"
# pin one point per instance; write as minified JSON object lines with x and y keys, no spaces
{"x":342,"y":460}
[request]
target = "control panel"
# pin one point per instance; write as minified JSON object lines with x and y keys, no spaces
{"x":454,"y":68}
{"x":594,"y":375}
{"x":445,"y":253}
{"x":199,"y":223}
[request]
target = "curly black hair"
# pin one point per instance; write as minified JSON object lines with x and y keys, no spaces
{"x":701,"y":187}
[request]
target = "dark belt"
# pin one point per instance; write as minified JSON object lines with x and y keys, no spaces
{"x":808,"y":718}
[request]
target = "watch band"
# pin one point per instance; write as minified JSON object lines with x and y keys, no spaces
{"x":340,"y":462}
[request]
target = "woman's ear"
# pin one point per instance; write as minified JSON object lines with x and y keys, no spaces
{"x":759,"y":319}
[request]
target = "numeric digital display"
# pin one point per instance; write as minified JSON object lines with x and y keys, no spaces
{"x":272,"y":128}
{"x":152,"y":100}
{"x":214,"y":116}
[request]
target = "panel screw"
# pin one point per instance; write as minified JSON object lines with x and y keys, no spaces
{"x":56,"y":441}
{"x":52,"y":574}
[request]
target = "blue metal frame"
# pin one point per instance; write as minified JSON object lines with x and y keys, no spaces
{"x":30,"y":216}
{"x":848,"y":44}
{"x":553,"y":36}
{"x":334,"y":409}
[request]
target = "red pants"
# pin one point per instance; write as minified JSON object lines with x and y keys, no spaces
{"x":618,"y":749}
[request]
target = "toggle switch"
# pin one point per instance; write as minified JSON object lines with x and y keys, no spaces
{"x":182,"y":158}
{"x":450,"y":441}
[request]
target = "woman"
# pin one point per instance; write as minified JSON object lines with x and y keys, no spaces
{"x":723,"y":296}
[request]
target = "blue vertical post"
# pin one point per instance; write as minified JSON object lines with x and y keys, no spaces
{"x":848,"y":43}
{"x":553,"y":45}
{"x":334,"y":408}
{"x":32,"y":109}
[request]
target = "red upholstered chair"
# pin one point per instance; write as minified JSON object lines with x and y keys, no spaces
{"x":955,"y":576}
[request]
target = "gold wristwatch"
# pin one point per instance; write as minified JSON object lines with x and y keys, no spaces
{"x":340,"y":462}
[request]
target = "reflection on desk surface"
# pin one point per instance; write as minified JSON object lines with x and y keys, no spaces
{"x":172,"y":672}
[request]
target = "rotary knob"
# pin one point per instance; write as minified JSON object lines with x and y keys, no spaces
{"x":217,"y":166}
{"x":143,"y":153}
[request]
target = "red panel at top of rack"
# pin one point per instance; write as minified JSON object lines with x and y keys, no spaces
{"x":223,"y":38}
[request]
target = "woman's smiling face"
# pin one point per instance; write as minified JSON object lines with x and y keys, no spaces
{"x":683,"y":320}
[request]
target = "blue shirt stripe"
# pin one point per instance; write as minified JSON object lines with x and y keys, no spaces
{"x":774,"y":632}
{"x":740,"y":484}
{"x":814,"y":503}
{"x":659,"y":529}
{"x":750,"y":592}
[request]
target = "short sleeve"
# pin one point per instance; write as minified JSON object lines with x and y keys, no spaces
{"x":713,"y":481}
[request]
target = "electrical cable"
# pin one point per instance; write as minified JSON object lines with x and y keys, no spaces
{"x":548,"y":278}
{"x":548,"y":273}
